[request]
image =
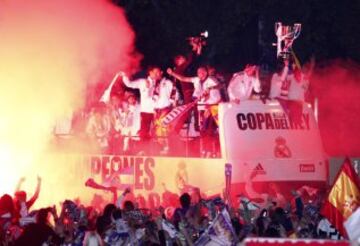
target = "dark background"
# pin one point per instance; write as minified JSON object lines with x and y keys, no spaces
{"x":242,"y":31}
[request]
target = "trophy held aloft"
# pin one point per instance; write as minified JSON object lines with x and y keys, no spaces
{"x":285,"y":38}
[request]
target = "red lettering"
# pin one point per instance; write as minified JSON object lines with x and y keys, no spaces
{"x":105,"y":169}
{"x":153,"y":200}
{"x":140,"y":200}
{"x":95,"y":165}
{"x":149,"y":182}
{"x":126,"y":163}
{"x":115,"y":164}
{"x":307,"y":168}
{"x":138,"y":173}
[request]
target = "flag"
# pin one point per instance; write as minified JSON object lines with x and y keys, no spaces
{"x":343,"y":198}
{"x":214,"y":110}
{"x":220,"y":231}
{"x":177,"y":116}
{"x":169,"y":228}
{"x":352,"y":225}
{"x":106,"y":94}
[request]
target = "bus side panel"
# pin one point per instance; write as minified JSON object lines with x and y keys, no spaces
{"x":264,"y":145}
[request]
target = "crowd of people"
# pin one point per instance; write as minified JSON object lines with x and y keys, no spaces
{"x":154,"y":110}
{"x":182,"y":220}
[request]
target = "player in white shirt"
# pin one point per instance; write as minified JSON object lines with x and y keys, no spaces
{"x":134,"y":107}
{"x":98,"y":127}
{"x":207,"y":93}
{"x":127,"y":121}
{"x":299,"y":85}
{"x":116,"y":126}
{"x":146,"y":87}
{"x":164,"y":96}
{"x":293,"y":83}
{"x":279,"y":87}
{"x":155,"y":97}
{"x":204,"y":86}
{"x":243,"y":84}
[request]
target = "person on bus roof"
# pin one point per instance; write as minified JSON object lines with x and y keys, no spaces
{"x":243,"y":84}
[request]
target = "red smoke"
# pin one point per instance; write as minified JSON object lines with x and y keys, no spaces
{"x":338,"y":88}
{"x":50,"y":52}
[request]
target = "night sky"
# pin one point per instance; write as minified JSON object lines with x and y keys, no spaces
{"x":242,"y":32}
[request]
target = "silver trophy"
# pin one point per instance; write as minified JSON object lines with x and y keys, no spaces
{"x":285,"y":38}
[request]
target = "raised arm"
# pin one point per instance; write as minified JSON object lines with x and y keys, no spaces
{"x":106,"y":95}
{"x":53,"y":211}
{"x":36,"y":194}
{"x":257,"y":85}
{"x":285,"y":71}
{"x":121,"y":198}
{"x":195,"y":51}
{"x":178,"y":76}
{"x":197,"y":45}
{"x":310,"y":71}
{"x":18,"y":186}
{"x":131,"y":84}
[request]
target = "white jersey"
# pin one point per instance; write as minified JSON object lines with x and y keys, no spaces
{"x":162,"y":94}
{"x":241,"y":86}
{"x":99,"y":129}
{"x":275,"y":88}
{"x":297,"y":88}
{"x":146,"y":87}
{"x":130,"y":120}
{"x":206,"y":86}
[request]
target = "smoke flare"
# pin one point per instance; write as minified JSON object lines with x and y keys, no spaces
{"x":51,"y":51}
